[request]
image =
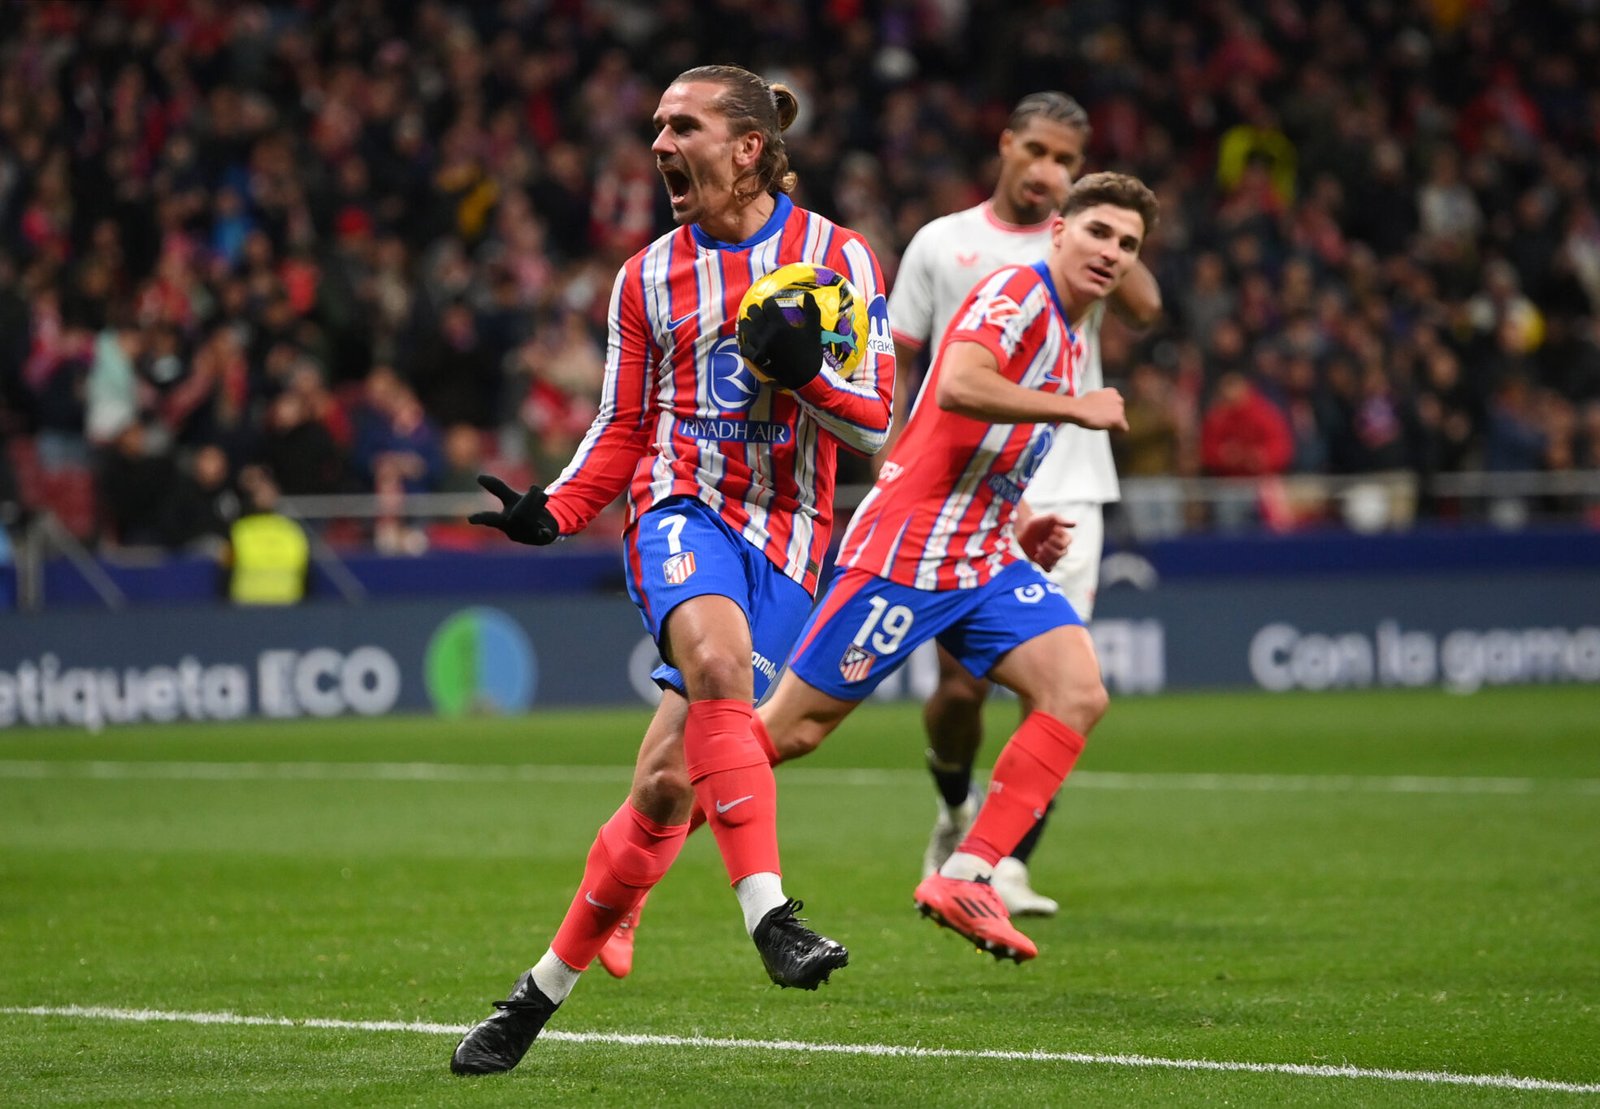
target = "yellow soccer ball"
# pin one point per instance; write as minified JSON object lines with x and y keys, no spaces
{"x":844,"y":316}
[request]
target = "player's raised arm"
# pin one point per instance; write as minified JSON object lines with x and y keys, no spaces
{"x":969,"y":383}
{"x":854,"y":407}
{"x":857,"y":410}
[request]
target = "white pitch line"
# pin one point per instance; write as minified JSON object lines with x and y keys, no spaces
{"x":1304,"y":1070}
{"x":800,"y":776}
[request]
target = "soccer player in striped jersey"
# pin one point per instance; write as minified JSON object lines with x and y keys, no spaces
{"x":729,"y":485}
{"x":930,"y":553}
{"x":1041,"y":151}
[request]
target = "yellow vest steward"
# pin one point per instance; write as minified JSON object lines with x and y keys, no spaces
{"x":270,"y":555}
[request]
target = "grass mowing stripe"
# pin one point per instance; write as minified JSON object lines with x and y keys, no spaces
{"x":525,"y":772}
{"x":1304,"y":1070}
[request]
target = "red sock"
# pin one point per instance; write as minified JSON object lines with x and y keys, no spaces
{"x":629,"y":856}
{"x":1029,"y":771}
{"x":697,"y":815}
{"x":758,"y":728}
{"x":733,"y":785}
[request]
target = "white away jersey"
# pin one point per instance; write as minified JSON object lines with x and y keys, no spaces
{"x":942,"y":263}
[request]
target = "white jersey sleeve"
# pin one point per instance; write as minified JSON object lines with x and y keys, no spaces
{"x":911,"y":301}
{"x":1079,"y":467}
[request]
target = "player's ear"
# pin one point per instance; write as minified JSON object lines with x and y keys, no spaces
{"x":747,"y":150}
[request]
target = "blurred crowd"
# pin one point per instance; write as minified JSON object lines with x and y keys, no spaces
{"x":366,"y":245}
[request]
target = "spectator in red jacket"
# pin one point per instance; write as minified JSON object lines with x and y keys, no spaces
{"x":1244,"y":435}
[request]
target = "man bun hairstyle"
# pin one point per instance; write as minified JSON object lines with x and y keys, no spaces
{"x":1120,"y":189}
{"x":750,"y":103}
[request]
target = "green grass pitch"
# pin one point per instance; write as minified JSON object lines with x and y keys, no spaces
{"x":1404,"y":885}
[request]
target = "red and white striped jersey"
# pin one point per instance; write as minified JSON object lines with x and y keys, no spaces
{"x":941,"y":512}
{"x":935,"y":275}
{"x":681,"y":413}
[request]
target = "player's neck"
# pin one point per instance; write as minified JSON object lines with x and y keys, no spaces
{"x":1076,"y":314}
{"x":735,"y":225}
{"x":1005,"y":213}
{"x":1077,"y":305}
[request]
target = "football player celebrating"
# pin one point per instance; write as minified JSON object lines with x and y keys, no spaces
{"x":929,"y":554}
{"x":1041,"y":150}
{"x":730,"y":484}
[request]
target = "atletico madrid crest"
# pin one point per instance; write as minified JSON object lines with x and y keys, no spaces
{"x":678,"y":568}
{"x":856,"y":664}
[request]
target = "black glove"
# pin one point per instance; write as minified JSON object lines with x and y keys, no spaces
{"x":790,"y":355}
{"x":525,"y":518}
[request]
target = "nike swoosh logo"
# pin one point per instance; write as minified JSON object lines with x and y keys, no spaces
{"x":724,"y":807}
{"x":589,"y":897}
{"x":673,"y":325}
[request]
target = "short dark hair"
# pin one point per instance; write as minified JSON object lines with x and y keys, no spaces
{"x":1057,"y":106}
{"x":750,"y":103}
{"x":1119,"y":189}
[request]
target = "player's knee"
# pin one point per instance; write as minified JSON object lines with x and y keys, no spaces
{"x":712,"y":671}
{"x":1091,"y":702}
{"x":1079,"y":704}
{"x":663,"y":794}
{"x":959,"y":691}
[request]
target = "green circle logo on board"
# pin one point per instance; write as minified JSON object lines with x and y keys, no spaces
{"x":480,"y":661}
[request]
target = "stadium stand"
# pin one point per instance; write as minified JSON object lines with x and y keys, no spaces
{"x":406,"y":216}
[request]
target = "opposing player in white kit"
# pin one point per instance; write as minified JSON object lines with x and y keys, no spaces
{"x":932,"y":552}
{"x":1041,"y":151}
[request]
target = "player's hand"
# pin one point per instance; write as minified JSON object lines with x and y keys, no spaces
{"x":523,"y":517}
{"x":791,"y":356}
{"x":1044,"y":538}
{"x":1102,"y":410}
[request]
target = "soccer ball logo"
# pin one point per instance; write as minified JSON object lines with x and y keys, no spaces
{"x":844,"y":316}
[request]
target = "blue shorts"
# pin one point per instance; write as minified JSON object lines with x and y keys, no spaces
{"x":681,"y":549}
{"x":866,"y":627}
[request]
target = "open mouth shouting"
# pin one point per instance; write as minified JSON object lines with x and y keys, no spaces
{"x":678,"y":183}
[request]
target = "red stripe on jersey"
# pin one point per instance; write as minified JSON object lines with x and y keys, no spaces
{"x":940,"y":514}
{"x":680,"y":414}
{"x":630,"y":553}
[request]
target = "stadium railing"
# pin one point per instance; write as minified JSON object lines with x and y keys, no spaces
{"x":1160,"y":507}
{"x":1153,"y":512}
